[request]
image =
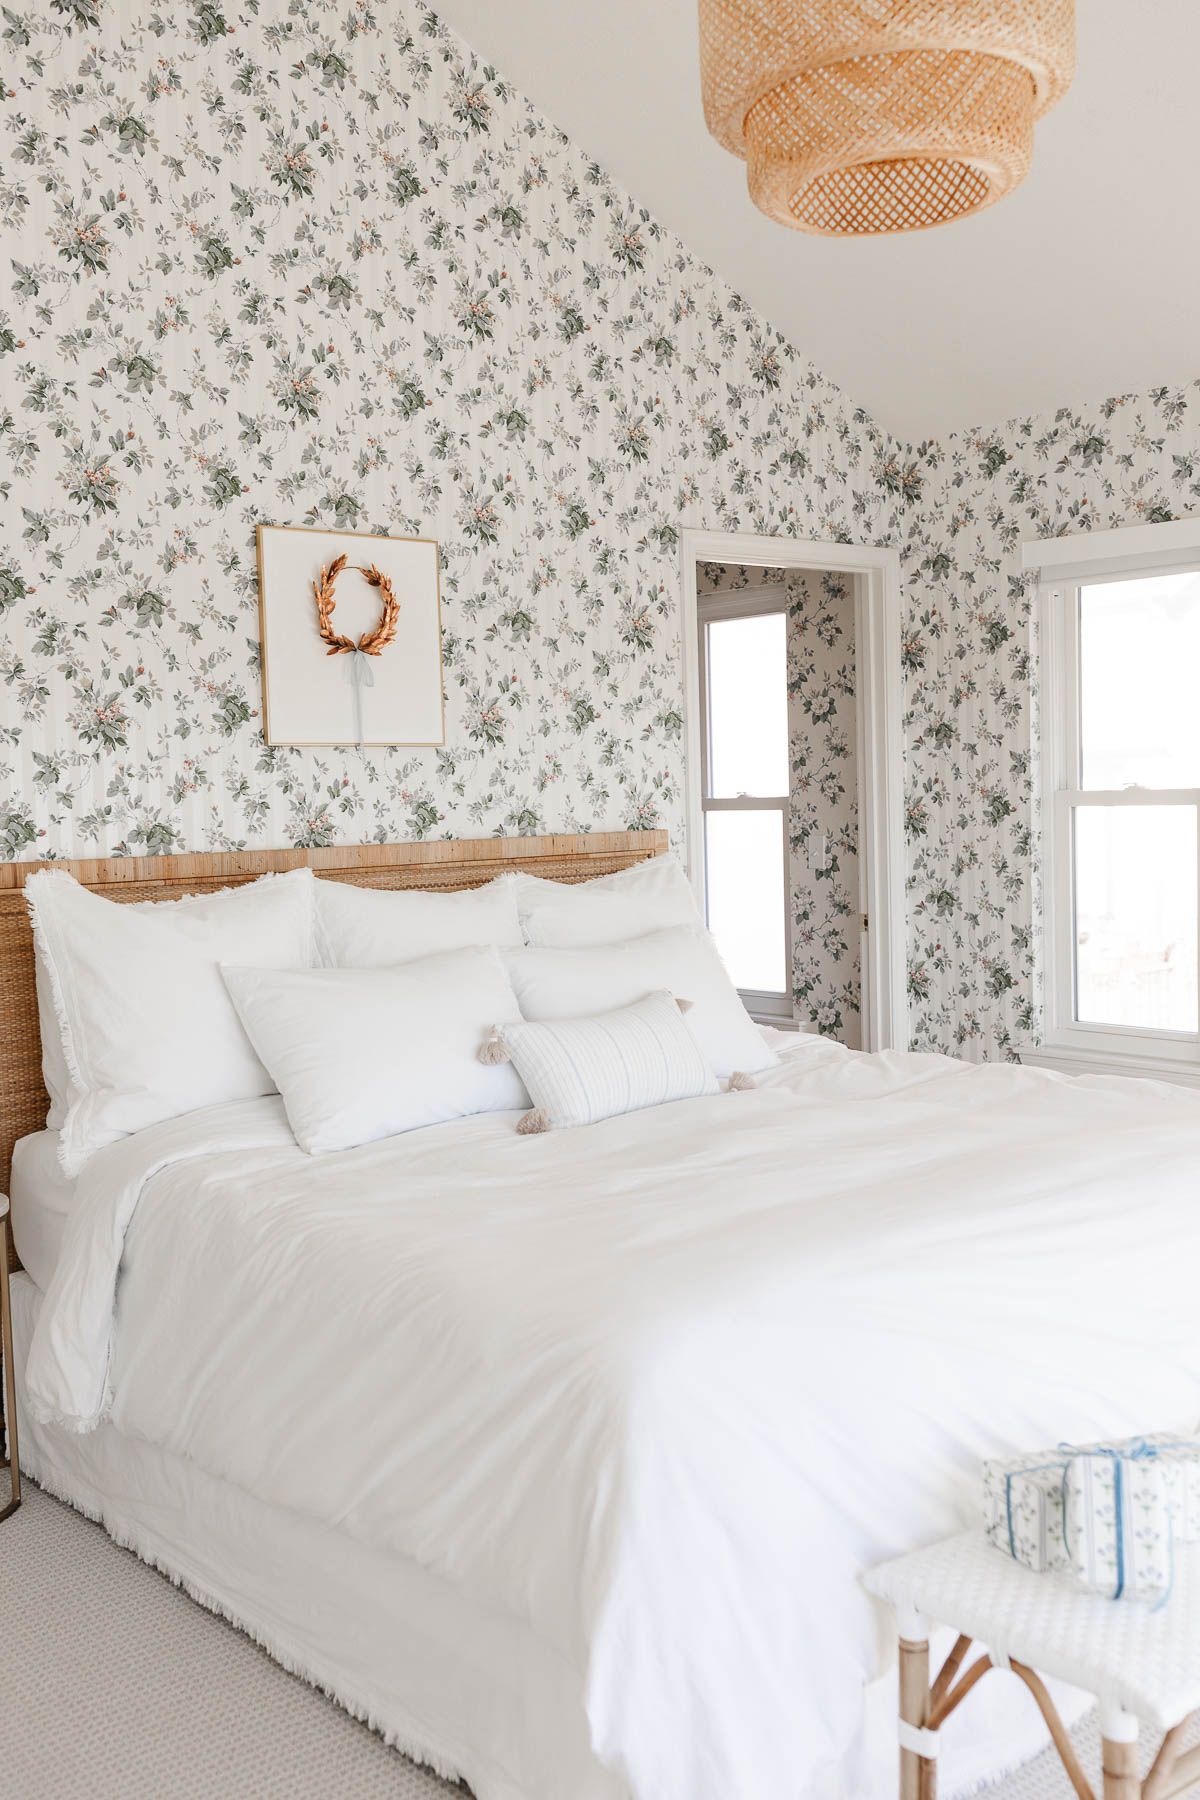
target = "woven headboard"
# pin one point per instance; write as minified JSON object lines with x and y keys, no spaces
{"x":446,"y":863}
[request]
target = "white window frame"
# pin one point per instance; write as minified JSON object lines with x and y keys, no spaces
{"x":749,"y":603}
{"x":1066,"y":565}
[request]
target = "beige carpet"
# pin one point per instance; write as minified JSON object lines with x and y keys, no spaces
{"x":114,"y":1685}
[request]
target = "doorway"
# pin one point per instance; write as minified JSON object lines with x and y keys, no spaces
{"x":794,"y":777}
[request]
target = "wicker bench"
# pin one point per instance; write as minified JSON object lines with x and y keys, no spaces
{"x":1141,"y":1663}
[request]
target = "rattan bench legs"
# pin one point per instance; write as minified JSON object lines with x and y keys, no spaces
{"x":925,"y":1706}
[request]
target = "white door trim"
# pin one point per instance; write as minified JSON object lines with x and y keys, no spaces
{"x":880,"y":745}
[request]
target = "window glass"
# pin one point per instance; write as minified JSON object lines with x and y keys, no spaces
{"x":1139,"y":658}
{"x":746,"y":895}
{"x":1135,"y":916}
{"x":747,"y":706}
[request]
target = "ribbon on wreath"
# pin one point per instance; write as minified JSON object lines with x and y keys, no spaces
{"x":360,"y":675}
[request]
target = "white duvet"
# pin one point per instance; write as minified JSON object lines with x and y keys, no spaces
{"x":663,"y":1386}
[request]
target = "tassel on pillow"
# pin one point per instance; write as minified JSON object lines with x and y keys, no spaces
{"x":532,"y":1122}
{"x":494,"y":1049}
{"x":684,"y":1005}
{"x":739,"y":1083}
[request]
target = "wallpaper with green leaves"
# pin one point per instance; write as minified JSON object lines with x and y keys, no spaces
{"x":970,"y":662}
{"x":317,"y":265}
{"x":320,"y":265}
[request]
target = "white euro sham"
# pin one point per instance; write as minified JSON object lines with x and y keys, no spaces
{"x":362,"y":1054}
{"x":55,"y":1073}
{"x":372,"y":928}
{"x":573,"y":915}
{"x":146,"y":1028}
{"x":572,"y":984}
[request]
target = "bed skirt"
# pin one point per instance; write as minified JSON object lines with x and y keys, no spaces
{"x":471,"y":1694}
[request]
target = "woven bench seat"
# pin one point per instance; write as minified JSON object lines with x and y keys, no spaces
{"x":1142,"y":1663}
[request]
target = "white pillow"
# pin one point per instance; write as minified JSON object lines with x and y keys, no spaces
{"x":565,"y":915}
{"x":360,"y":1054}
{"x":371,"y":928}
{"x":581,"y":1070}
{"x":55,"y":1072}
{"x":572,"y":984}
{"x":145,"y":1025}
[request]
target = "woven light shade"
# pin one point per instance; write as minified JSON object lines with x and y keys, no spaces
{"x":859,"y":117}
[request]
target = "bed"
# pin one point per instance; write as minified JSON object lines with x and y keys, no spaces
{"x":558,"y":1459}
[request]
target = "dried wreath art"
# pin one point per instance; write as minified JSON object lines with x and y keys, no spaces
{"x":371,"y":643}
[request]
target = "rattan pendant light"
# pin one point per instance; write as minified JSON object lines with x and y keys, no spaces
{"x":859,"y":117}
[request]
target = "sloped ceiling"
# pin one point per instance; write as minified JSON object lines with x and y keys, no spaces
{"x":1080,"y":285}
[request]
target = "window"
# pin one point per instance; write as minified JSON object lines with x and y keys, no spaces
{"x":1121,"y":754}
{"x":744,"y":795}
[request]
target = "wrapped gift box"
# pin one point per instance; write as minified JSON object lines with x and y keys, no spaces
{"x":1111,"y":1512}
{"x":1179,"y":1459}
{"x":1023,"y":1509}
{"x":1118,"y":1518}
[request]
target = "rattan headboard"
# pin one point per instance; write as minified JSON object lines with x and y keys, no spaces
{"x":446,"y":863}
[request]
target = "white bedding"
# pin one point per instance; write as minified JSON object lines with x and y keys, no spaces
{"x":661,"y":1387}
{"x":42,"y":1197}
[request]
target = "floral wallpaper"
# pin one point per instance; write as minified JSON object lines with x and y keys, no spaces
{"x":322,"y":266}
{"x":824,"y":886}
{"x":970,"y":656}
{"x":824,"y":804}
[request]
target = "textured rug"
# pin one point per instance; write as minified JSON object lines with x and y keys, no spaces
{"x":114,"y":1685}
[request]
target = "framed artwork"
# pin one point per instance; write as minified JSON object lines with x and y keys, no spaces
{"x":351,"y":635}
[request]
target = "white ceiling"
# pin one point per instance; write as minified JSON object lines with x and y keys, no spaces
{"x":1082,"y":284}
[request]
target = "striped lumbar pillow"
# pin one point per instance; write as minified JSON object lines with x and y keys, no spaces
{"x":579,"y":1071}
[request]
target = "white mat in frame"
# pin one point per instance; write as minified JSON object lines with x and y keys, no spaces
{"x":313,"y":697}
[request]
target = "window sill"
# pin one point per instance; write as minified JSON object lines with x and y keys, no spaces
{"x":781,"y":1021}
{"x":1100,"y":1062}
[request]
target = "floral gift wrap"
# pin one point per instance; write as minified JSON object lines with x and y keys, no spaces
{"x":1126,"y":1506}
{"x":1111,"y":1512}
{"x":1023,"y":1509}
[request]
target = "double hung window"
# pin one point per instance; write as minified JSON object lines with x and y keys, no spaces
{"x":745,"y":783}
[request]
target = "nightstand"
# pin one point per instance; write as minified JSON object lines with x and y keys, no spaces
{"x":10,"y":1373}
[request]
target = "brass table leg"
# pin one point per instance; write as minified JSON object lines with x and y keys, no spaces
{"x":13,"y":1459}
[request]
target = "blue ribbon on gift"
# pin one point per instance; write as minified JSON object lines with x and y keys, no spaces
{"x":1139,"y":1452}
